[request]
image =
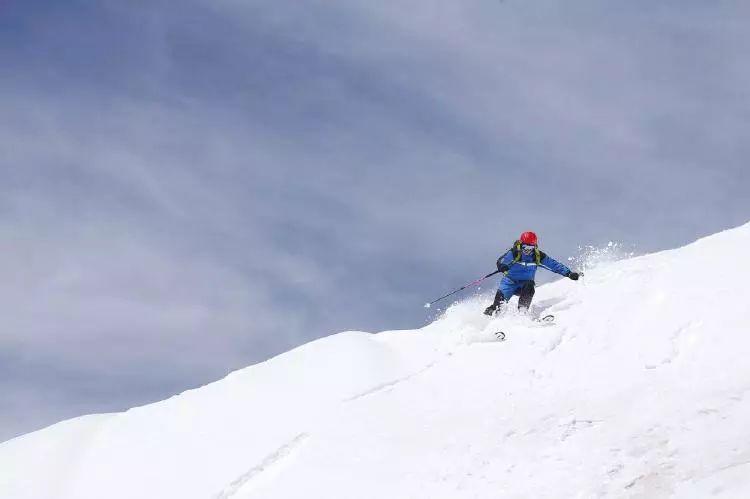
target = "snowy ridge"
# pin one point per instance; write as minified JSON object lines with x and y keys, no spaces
{"x":640,"y":389}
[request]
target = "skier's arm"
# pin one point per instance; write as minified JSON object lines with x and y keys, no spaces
{"x":503,"y":263}
{"x":550,"y":263}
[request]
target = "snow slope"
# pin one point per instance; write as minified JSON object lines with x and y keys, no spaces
{"x":640,"y":389}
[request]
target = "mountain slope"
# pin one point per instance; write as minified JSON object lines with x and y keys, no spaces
{"x":640,"y":389}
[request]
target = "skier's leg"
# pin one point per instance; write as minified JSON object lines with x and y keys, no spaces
{"x":496,"y":305}
{"x":525,"y":296}
{"x":504,"y":291}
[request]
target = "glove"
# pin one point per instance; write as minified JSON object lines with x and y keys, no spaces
{"x":574,"y":275}
{"x":502,"y":267}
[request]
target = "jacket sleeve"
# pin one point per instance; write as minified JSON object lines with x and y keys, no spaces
{"x":506,"y":258}
{"x":553,"y":265}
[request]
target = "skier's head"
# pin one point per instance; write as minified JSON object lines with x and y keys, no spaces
{"x":528,"y":238}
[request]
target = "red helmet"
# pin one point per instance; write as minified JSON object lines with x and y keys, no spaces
{"x":528,"y":238}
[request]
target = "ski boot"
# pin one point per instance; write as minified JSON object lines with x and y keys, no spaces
{"x":496,"y":305}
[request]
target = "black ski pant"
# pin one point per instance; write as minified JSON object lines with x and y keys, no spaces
{"x":525,"y":295}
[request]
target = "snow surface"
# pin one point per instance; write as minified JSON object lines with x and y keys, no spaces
{"x":641,"y":388}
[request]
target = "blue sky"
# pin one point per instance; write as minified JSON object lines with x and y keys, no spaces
{"x":191,"y":188}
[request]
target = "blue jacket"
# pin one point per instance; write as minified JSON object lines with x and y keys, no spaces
{"x":525,"y":268}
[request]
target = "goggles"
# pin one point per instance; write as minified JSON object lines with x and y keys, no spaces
{"x":527,"y":249}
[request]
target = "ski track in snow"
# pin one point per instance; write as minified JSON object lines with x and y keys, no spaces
{"x":733,"y":465}
{"x":389,"y":384}
{"x":556,"y":341}
{"x":575,"y":425}
{"x":676,"y":344}
{"x":271,"y":460}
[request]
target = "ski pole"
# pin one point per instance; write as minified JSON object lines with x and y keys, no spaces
{"x":428,"y":305}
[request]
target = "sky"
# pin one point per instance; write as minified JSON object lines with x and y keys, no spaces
{"x":192,"y":187}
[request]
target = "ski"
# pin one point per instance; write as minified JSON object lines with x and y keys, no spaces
{"x":547,"y":319}
{"x":544,"y":320}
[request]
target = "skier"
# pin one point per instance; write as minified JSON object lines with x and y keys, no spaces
{"x":518,"y":266}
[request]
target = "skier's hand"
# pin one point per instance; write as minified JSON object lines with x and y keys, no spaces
{"x":574,"y":275}
{"x":502,"y":267}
